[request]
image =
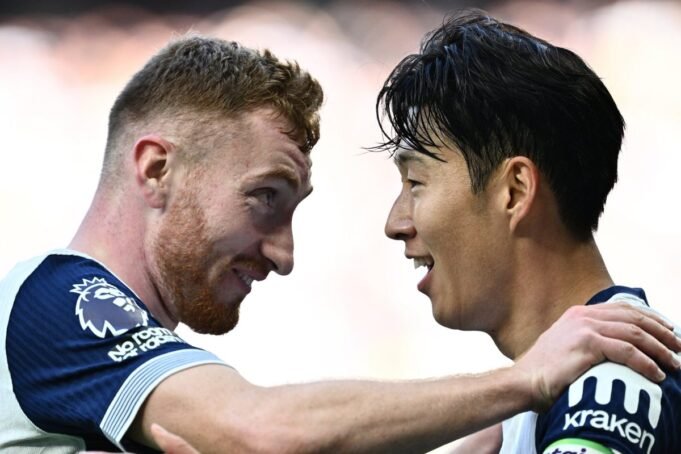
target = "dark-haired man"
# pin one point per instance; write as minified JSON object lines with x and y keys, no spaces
{"x":208,"y":156}
{"x":507,"y":147}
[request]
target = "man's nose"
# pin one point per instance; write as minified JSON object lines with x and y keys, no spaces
{"x":399,"y":225}
{"x":277,"y":247}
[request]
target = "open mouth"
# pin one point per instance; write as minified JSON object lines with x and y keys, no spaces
{"x":423,"y":262}
{"x":427,"y":263}
{"x":246,"y":279}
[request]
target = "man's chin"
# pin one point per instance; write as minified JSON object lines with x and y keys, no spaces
{"x":211,"y":318}
{"x":213,"y":330}
{"x":444,"y":317}
{"x":212,"y":327}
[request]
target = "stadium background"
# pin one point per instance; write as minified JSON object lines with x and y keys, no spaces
{"x":350,"y":308}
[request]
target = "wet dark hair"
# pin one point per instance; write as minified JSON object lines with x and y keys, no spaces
{"x":495,"y":91}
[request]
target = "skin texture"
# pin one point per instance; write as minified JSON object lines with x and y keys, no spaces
{"x":214,"y":236}
{"x":205,"y":225}
{"x":454,"y":233}
{"x":171,"y":443}
{"x":500,"y":261}
{"x":190,"y":229}
{"x":168,"y":442}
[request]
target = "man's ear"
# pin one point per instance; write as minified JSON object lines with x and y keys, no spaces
{"x":519,"y":181}
{"x":153,"y":159}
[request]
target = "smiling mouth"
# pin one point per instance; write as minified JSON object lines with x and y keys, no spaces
{"x":423,"y":261}
{"x":247,"y":280}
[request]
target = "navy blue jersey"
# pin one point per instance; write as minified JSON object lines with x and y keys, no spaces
{"x":81,"y":354}
{"x":610,"y":406}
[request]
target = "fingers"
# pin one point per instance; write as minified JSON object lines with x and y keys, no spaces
{"x":658,"y":327}
{"x":625,"y":353}
{"x":586,"y":335}
{"x":171,"y":443}
{"x":630,"y":313}
{"x":637,"y":340}
{"x":639,"y":326}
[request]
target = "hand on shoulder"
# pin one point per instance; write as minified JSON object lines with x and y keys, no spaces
{"x":588,"y":335}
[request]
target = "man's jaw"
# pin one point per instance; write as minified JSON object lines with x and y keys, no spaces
{"x":167,"y":315}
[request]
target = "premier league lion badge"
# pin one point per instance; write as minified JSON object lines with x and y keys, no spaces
{"x":102,"y":308}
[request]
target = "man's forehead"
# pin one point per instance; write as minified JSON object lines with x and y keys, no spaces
{"x":280,"y":135}
{"x":270,"y":133}
{"x":301,"y":169}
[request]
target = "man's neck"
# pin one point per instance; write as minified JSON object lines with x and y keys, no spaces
{"x":113,"y":233}
{"x":551,"y":280}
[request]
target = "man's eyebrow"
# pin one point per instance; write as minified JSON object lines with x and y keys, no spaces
{"x":290,"y":177}
{"x":401,"y":158}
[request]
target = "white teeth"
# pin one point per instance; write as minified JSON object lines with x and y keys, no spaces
{"x":419,"y":262}
{"x":247,"y":279}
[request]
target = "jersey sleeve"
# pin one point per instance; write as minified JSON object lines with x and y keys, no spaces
{"x":84,"y":353}
{"x":613,"y":408}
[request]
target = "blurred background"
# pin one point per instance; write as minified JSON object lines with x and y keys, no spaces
{"x":350,"y":308}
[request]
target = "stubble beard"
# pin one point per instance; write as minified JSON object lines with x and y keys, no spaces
{"x":182,"y":249}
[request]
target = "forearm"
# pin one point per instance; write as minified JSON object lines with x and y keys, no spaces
{"x":359,"y":416}
{"x":217,"y":411}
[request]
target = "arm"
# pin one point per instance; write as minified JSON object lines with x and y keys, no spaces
{"x":169,"y":442}
{"x":341,"y":416}
{"x":215,"y":409}
{"x":486,"y":441}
